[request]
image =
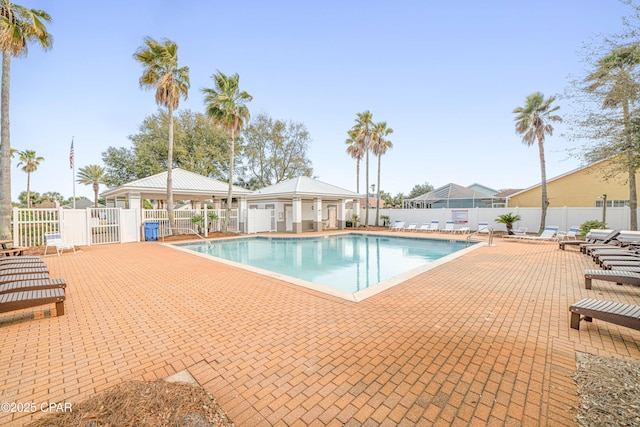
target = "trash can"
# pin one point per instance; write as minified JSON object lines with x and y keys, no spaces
{"x":151,"y":231}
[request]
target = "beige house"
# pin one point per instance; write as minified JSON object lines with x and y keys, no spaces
{"x":583,"y":187}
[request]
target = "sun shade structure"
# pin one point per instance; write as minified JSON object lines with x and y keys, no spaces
{"x":456,"y":196}
{"x":305,"y":204}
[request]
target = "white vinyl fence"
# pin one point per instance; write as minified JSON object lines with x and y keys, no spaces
{"x":81,"y":227}
{"x":564,"y":218}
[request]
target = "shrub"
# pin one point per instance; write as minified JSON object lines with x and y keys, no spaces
{"x":591,"y":224}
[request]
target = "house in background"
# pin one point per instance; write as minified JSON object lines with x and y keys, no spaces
{"x":453,"y":196}
{"x":582,"y":187}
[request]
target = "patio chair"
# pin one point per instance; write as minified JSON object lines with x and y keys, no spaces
{"x":520,"y":232}
{"x":423,"y":227}
{"x":483,"y":228}
{"x":613,"y":312}
{"x":29,"y":267}
{"x":397,"y":225}
{"x":434,"y":226}
{"x":618,"y":276}
{"x":462,"y":230}
{"x":26,"y":299}
{"x":594,"y":237}
{"x":23,"y":277}
{"x":411,"y":227}
{"x":55,"y":239}
{"x":21,"y":260}
{"x":449,"y":227}
{"x":548,"y":234}
{"x":32,"y":285}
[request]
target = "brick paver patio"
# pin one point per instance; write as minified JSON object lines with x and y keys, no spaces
{"x":482,"y":340}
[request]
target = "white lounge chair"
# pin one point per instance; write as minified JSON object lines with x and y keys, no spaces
{"x":55,"y":239}
{"x":397,"y":225}
{"x":423,"y":227}
{"x":571,"y":234}
{"x":411,"y":227}
{"x":462,"y":230}
{"x":548,"y":234}
{"x":449,"y":227}
{"x":434,"y":226}
{"x":483,"y":228}
{"x":520,"y":232}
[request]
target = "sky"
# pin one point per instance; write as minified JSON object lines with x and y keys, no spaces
{"x":444,"y":75}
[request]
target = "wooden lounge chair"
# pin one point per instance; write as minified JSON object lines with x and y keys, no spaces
{"x":30,"y":267}
{"x":608,"y":264}
{"x":22,"y":259}
{"x":32,"y":285}
{"x":618,"y":276}
{"x":591,"y":239}
{"x":620,"y":314}
{"x":18,"y":300}
{"x":23,"y":277}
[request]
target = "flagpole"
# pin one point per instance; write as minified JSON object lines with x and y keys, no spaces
{"x":73,"y":166}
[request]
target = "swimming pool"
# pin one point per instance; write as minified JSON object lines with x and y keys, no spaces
{"x":352,"y":266}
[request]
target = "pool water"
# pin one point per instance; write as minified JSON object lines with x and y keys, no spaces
{"x":347,"y":262}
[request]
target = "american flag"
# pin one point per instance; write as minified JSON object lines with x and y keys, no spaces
{"x":71,"y":156}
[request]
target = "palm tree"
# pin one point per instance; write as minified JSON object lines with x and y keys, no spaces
{"x":161,"y":72}
{"x":614,"y":76}
{"x":363,"y":132}
{"x":225,"y":105}
{"x":29,"y":162}
{"x":92,"y":175}
{"x":532,"y":122}
{"x":379,"y":146}
{"x":19,"y":26}
{"x":355,"y":151}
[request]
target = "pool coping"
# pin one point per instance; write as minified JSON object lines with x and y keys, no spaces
{"x":349,"y":296}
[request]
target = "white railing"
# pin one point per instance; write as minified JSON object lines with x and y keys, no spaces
{"x":30,"y":225}
{"x":183,"y":220}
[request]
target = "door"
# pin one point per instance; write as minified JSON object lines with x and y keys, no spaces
{"x":288,"y":218}
{"x":333,"y":216}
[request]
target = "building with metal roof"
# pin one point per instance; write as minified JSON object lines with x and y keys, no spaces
{"x":453,"y":196}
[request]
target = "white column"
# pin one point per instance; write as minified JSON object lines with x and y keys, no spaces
{"x":342,"y":214}
{"x":297,"y":215}
{"x":317,"y":215}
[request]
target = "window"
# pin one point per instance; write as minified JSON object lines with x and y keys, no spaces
{"x":613,"y":203}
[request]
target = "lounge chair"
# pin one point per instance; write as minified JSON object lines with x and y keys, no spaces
{"x":483,"y":228}
{"x":449,"y":227}
{"x":591,"y":238}
{"x":462,"y":230}
{"x":571,"y":234}
{"x":397,"y":225}
{"x":617,"y":276}
{"x":630,"y":263}
{"x":26,"y":299}
{"x":410,"y":227}
{"x":23,"y":277}
{"x":55,"y":239}
{"x":547,"y":235}
{"x":28,"y":267}
{"x":423,"y":227}
{"x":22,"y":259}
{"x":520,"y":232}
{"x":620,"y":314}
{"x":32,"y":285}
{"x":12,"y":252}
{"x":433,"y":226}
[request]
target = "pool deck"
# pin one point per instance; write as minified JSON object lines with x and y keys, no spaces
{"x":482,"y":340}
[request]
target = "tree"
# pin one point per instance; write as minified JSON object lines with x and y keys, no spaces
{"x":161,"y":72}
{"x":198,"y":148}
{"x":419,"y":190}
{"x":379,"y":145}
{"x":355,"y":151}
{"x":19,"y":26}
{"x":275,"y":150}
{"x":226,"y":106}
{"x":616,"y":84}
{"x":533,"y":123}
{"x":92,"y":175}
{"x":52,"y":196}
{"x":29,"y":162}
{"x":362,"y":132}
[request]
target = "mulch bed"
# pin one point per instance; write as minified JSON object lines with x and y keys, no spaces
{"x":143,"y":403}
{"x":609,"y":391}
